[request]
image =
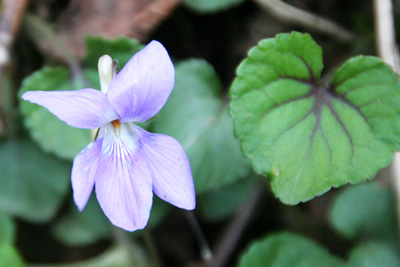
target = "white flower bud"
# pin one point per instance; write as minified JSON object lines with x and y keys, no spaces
{"x":106,"y":72}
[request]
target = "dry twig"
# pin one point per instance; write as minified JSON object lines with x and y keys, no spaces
{"x":11,"y":15}
{"x":108,"y":18}
{"x":10,"y":21}
{"x":385,"y":33}
{"x":306,"y":19}
{"x":388,"y":51}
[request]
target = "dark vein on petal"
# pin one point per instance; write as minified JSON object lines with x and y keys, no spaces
{"x":296,"y":182}
{"x":290,"y":53}
{"x":281,"y":79}
{"x":270,"y":98}
{"x":302,"y":81}
{"x":370,"y":102}
{"x":317,"y":111}
{"x":327,"y":143}
{"x":305,"y":63}
{"x":377,"y":116}
{"x":267,"y":64}
{"x":359,"y":87}
{"x":334,"y":86}
{"x":350,"y":104}
{"x":335,"y":114}
{"x":292,"y":126}
{"x":287,"y":102}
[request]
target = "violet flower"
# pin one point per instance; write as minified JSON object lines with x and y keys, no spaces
{"x":126,"y":162}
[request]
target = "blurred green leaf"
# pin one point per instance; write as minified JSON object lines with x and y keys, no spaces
{"x":7,"y":229}
{"x":121,"y":48}
{"x":195,"y":116}
{"x":211,"y":6}
{"x":308,"y":136}
{"x":52,"y":134}
{"x":365,"y":210}
{"x":33,"y":183}
{"x":287,"y":250}
{"x":118,"y":256}
{"x":159,"y":211}
{"x":82,"y":228}
{"x":91,"y":225}
{"x":92,"y":76}
{"x":8,"y":254}
{"x":374,"y":254}
{"x":9,"y":257}
{"x":218,"y":204}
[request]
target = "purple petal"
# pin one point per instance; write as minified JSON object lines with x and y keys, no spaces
{"x":170,"y":169}
{"x":123,"y":180}
{"x":142,"y":87}
{"x":86,"y":108}
{"x":83,"y":174}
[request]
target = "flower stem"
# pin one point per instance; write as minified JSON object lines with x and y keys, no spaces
{"x":205,"y":250}
{"x":151,"y":246}
{"x":235,"y":229}
{"x":121,"y":238}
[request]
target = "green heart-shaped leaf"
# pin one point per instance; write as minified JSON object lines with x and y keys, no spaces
{"x":287,"y":250}
{"x":83,"y":228}
{"x":308,"y":136}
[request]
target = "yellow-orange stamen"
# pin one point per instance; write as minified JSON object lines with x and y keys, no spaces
{"x":116,"y":123}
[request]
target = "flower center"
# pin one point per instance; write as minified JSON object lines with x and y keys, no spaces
{"x":116,"y":123}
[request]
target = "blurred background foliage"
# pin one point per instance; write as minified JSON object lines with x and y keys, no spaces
{"x":55,"y":45}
